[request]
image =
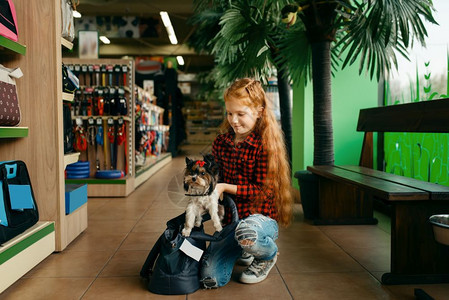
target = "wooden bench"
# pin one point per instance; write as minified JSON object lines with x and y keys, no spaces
{"x":346,"y":194}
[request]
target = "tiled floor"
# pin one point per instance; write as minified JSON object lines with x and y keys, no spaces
{"x":315,"y":262}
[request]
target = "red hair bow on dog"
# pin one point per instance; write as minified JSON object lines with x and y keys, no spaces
{"x":200,"y":163}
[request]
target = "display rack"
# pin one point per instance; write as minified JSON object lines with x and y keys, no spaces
{"x":99,"y":155}
{"x":38,"y":102}
{"x":75,"y":222}
{"x":151,"y":150}
{"x":203,"y":121}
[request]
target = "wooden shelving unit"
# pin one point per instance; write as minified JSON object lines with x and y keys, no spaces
{"x":41,"y":108}
{"x":111,"y":187}
{"x":38,"y":141}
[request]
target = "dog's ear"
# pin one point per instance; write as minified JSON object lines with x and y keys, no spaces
{"x":209,"y":159}
{"x":211,"y":164}
{"x":189,"y":162}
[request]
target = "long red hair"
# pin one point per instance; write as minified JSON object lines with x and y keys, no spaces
{"x":278,"y":181}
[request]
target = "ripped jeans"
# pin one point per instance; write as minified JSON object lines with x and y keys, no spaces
{"x":255,"y":235}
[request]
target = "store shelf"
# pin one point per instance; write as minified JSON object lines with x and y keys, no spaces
{"x":121,"y":187}
{"x":13,"y":132}
{"x":76,"y":223}
{"x":68,"y":97}
{"x":71,"y":158}
{"x":25,"y":251}
{"x":66,"y":43}
{"x":203,"y":121}
{"x":148,"y":170}
{"x":11,"y":45}
{"x":102,"y":117}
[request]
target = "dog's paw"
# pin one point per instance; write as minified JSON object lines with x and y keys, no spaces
{"x":218,"y":228}
{"x":186,"y":232}
{"x":221,"y":211}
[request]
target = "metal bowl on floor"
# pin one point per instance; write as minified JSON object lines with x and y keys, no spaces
{"x":440,"y":225}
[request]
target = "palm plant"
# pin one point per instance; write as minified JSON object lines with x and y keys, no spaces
{"x":373,"y":31}
{"x":243,"y":37}
{"x":250,"y":40}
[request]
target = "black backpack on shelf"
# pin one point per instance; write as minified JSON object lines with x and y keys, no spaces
{"x":169,"y":270}
{"x":18,"y":208}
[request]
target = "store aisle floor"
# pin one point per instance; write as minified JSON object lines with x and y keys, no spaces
{"x":315,"y":262}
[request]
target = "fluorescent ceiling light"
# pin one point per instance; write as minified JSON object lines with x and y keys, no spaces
{"x":170,"y":31}
{"x":105,"y":40}
{"x":165,"y":18}
{"x":173,"y":39}
{"x":180,"y":60}
{"x":76,"y":14}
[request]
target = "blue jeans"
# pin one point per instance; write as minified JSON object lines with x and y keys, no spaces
{"x":255,"y":235}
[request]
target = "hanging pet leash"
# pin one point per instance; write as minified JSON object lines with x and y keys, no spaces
{"x":98,"y":140}
{"x":91,"y":133}
{"x":121,"y":136}
{"x":111,"y":137}
{"x":80,"y":139}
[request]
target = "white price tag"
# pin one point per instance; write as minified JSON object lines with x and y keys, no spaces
{"x":191,"y":250}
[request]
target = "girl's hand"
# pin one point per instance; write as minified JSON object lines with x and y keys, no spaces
{"x":226,"y":187}
{"x":220,"y":188}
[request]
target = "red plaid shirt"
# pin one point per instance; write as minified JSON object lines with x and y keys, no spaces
{"x":244,"y":165}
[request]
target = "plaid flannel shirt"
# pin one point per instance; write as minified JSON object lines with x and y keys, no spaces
{"x":244,"y":165}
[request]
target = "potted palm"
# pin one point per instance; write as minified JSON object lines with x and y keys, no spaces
{"x":370,"y":31}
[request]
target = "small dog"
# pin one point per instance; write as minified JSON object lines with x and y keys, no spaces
{"x":200,"y":179}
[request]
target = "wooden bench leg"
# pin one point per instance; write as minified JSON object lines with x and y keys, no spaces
{"x":343,"y":204}
{"x":415,"y":255}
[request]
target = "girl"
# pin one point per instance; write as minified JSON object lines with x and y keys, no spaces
{"x":253,"y":167}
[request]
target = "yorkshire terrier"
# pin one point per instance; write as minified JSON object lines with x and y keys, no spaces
{"x":200,"y":179}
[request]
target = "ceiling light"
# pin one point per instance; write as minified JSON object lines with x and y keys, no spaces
{"x":180,"y":60}
{"x":76,"y":14}
{"x":105,"y":40}
{"x":173,"y":39}
{"x":165,"y":18}
{"x":170,"y":31}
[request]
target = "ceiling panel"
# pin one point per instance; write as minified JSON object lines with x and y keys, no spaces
{"x":179,"y":12}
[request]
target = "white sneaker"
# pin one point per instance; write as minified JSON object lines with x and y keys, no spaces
{"x":245,"y":260}
{"x":258,"y":270}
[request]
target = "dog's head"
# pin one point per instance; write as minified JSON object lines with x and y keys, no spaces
{"x":200,"y":176}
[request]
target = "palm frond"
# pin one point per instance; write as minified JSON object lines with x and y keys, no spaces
{"x":244,"y":44}
{"x":295,"y":54}
{"x":378,"y":30}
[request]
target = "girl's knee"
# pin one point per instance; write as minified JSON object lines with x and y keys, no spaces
{"x":245,"y":233}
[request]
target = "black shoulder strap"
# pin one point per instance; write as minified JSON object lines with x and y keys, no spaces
{"x":147,"y":267}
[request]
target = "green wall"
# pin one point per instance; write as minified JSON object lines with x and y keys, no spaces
{"x":350,"y":93}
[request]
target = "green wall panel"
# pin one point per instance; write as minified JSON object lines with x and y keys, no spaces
{"x":350,"y":93}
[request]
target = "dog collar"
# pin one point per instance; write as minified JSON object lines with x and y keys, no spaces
{"x":207,"y":193}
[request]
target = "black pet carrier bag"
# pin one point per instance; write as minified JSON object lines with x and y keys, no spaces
{"x":169,"y":270}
